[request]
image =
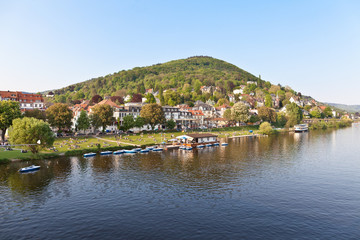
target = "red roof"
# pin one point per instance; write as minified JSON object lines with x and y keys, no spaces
{"x":197,"y":112}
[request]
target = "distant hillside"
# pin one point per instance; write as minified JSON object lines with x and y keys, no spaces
{"x":184,"y":76}
{"x":348,"y":108}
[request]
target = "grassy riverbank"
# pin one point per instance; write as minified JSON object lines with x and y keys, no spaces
{"x":330,"y":124}
{"x":77,"y":146}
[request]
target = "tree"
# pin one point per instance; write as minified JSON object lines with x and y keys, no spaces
{"x":128,"y":122}
{"x":150,"y":98}
{"x":117,"y":99}
{"x":139,"y":122}
{"x":227,"y":115}
{"x":267,"y":114}
{"x":315,"y":113}
{"x":35,"y":113}
{"x":9,"y":110}
{"x":294,"y":114}
{"x":170,"y":124}
{"x":265,"y":128}
{"x":83,"y":121}
{"x":31,"y":131}
{"x":268,"y":101}
{"x":240,"y":112}
{"x":280,"y":120}
{"x":153,"y":114}
{"x":274,"y":89}
{"x":102,"y":115}
{"x":59,"y":116}
{"x":96,"y":99}
{"x":328,"y":112}
{"x":136,"y":97}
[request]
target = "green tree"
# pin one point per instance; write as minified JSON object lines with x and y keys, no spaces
{"x":59,"y":116}
{"x":139,"y":122}
{"x":240,"y":112}
{"x":170,"y":124}
{"x":315,"y":113}
{"x":150,"y":98}
{"x":281,"y":120}
{"x":9,"y":110}
{"x":83,"y":122}
{"x":267,"y":114}
{"x":36,"y":113}
{"x":265,"y":128}
{"x":153,"y":114}
{"x":128,"y":122}
{"x":102,"y":115}
{"x":227,"y":115}
{"x":31,"y":131}
{"x":268,"y":101}
{"x":328,"y":112}
{"x":294,"y":114}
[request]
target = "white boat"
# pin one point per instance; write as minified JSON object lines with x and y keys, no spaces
{"x":200,"y":146}
{"x":301,"y":128}
{"x":209,"y":145}
{"x":189,"y":148}
{"x":137,"y":149}
{"x":30,"y":168}
{"x":89,"y":154}
{"x":224,"y":144}
{"x":216,"y":144}
{"x":144,"y":151}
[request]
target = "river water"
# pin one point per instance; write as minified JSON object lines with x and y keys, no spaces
{"x":291,"y":186}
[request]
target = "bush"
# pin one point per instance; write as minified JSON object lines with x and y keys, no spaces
{"x":265,"y":128}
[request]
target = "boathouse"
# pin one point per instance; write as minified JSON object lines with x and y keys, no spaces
{"x":197,"y":139}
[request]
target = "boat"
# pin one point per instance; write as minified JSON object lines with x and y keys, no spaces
{"x":301,"y":128}
{"x":224,"y":144}
{"x":150,"y":148}
{"x":188,"y":148}
{"x":157,"y":149}
{"x":137,"y":149}
{"x":118,"y":152}
{"x":89,"y":154}
{"x":209,"y":145}
{"x":130,"y":151}
{"x":216,"y":144}
{"x":106,"y":153}
{"x":30,"y":168}
{"x":200,"y":146}
{"x":144,"y":151}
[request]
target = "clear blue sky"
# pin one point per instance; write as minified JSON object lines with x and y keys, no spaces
{"x":312,"y":46}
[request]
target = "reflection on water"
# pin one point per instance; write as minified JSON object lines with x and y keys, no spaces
{"x":291,"y":185}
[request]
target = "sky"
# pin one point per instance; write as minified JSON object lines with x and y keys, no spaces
{"x":311,"y":46}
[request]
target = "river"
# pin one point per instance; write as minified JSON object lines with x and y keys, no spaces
{"x":290,"y":186}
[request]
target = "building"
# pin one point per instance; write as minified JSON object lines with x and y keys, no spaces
{"x":28,"y":101}
{"x":197,"y":139}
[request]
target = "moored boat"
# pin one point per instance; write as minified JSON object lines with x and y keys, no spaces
{"x":224,"y":144}
{"x":189,"y":148}
{"x":118,"y":152}
{"x":89,"y":154}
{"x":144,"y":151}
{"x":216,"y":144}
{"x":301,"y":128}
{"x":130,"y":151}
{"x":157,"y":149}
{"x":209,"y":145}
{"x":30,"y":168}
{"x":106,"y":153}
{"x":200,"y":146}
{"x":137,"y":149}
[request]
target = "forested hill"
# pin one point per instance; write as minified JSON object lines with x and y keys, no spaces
{"x":183,"y":74}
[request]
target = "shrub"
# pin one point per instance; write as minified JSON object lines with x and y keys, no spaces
{"x":265,"y":128}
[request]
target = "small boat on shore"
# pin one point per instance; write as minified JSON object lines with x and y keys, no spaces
{"x":106,"y":153}
{"x":200,"y":146}
{"x":144,"y":151}
{"x":216,"y":144}
{"x":150,"y":148}
{"x":209,"y":145}
{"x":118,"y":152}
{"x":137,"y":149}
{"x":188,"y":148}
{"x":30,"y":168}
{"x":224,"y":144}
{"x":89,"y":154}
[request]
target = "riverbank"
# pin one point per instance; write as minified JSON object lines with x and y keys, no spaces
{"x":77,"y":146}
{"x":330,"y":124}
